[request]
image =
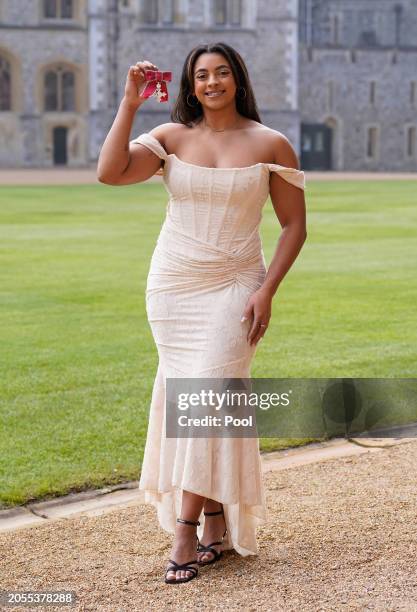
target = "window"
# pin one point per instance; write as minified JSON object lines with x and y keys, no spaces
{"x":371,"y":146}
{"x":49,"y":8}
{"x":367,"y":27}
{"x":413,"y":92}
{"x":306,"y":143}
{"x":220,"y":12}
{"x":398,"y":10}
{"x":58,"y":9}
{"x":228,"y":12}
{"x":372,"y":88}
{"x":330,"y":95}
{"x":235,"y":9}
{"x":51,"y":91}
{"x":159,"y":11}
{"x":368,"y":39}
{"x":68,"y":91}
{"x":411,"y":141}
{"x":5,"y":85}
{"x":150,"y":14}
{"x":59,"y":90}
{"x":319,"y":142}
{"x":335,"y":29}
{"x":168,"y":11}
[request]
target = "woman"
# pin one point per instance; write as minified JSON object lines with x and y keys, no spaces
{"x":208,"y":295}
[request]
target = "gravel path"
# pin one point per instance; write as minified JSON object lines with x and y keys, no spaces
{"x":342,"y":535}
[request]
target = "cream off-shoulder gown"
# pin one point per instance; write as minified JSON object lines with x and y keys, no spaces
{"x":207,"y":262}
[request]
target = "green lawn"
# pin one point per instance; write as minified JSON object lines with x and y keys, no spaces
{"x":78,"y":358}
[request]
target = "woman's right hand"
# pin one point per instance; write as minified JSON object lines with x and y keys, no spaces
{"x":136,"y":83}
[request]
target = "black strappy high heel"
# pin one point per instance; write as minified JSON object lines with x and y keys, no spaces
{"x":184,"y":566}
{"x":202,"y":548}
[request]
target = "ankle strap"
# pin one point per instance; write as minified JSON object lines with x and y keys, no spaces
{"x":213,"y":513}
{"x":180,"y":520}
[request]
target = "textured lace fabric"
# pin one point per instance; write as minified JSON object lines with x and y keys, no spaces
{"x":207,"y":262}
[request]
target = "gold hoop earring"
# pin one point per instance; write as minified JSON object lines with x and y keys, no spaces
{"x":193,"y":105}
{"x":238,"y":96}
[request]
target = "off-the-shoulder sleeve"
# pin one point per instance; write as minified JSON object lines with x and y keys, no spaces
{"x":291,"y":175}
{"x":151,"y":143}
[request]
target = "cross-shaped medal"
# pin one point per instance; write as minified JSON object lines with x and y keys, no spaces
{"x":158,"y":93}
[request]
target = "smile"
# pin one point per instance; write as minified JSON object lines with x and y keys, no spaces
{"x":214,"y":94}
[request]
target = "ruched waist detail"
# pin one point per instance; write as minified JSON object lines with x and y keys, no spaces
{"x":186,"y":259}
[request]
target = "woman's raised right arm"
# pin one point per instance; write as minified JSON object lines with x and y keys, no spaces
{"x":115,"y":156}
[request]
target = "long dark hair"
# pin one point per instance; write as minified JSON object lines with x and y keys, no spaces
{"x":182,"y":112}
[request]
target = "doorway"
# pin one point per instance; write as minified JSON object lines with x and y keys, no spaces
{"x":316,"y":146}
{"x":60,"y":146}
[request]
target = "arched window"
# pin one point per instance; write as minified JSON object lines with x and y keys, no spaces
{"x":5,"y":85}
{"x":59,"y":90}
{"x":58,"y":9}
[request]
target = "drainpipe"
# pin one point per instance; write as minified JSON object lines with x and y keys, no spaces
{"x":114,"y":28}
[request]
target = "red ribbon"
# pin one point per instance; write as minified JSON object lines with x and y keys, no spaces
{"x":157,"y":85}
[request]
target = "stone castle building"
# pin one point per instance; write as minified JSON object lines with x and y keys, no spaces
{"x":337,"y":77}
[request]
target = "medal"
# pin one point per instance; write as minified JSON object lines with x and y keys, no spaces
{"x":156,"y":86}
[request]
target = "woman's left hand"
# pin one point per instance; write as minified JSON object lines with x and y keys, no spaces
{"x":258,"y":311}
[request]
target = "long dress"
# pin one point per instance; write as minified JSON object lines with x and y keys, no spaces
{"x":207,"y":262}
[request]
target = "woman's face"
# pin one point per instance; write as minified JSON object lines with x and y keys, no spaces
{"x":212,"y":73}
